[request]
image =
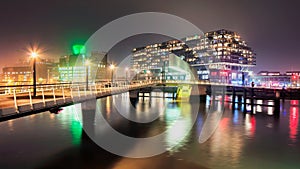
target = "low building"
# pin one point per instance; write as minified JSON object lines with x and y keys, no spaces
{"x":272,"y":79}
{"x":17,"y":75}
{"x":75,"y":67}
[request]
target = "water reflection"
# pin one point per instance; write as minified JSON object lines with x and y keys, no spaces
{"x":177,"y":136}
{"x":241,"y":140}
{"x":226,"y":142}
{"x":293,"y":125}
{"x":270,"y":108}
{"x":250,"y":125}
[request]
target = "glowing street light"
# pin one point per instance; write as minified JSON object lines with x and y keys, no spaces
{"x":34,"y":55}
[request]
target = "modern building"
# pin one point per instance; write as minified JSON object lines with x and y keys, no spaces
{"x":156,"y":60}
{"x":76,"y":67}
{"x":219,"y":56}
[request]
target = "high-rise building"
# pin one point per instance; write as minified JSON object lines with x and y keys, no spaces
{"x":219,"y":56}
{"x":222,"y":56}
{"x":156,"y":59}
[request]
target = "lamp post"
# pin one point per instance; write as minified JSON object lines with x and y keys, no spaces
{"x":34,"y":56}
{"x":126,"y":71}
{"x":137,"y":75}
{"x":112,"y":67}
{"x":87,"y":63}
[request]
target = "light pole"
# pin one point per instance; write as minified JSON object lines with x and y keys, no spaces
{"x":34,"y":56}
{"x":112,"y":67}
{"x":137,"y":75}
{"x":87,"y":63}
{"x":126,"y":71}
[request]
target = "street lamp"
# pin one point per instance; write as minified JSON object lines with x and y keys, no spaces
{"x":34,"y":55}
{"x":112,"y":67}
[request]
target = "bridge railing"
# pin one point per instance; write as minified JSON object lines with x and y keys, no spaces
{"x":20,"y":99}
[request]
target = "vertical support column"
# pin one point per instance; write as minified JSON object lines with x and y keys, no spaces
{"x":91,"y":91}
{"x":30,"y":99}
{"x":233,"y":98}
{"x":78,"y":91}
{"x":245,"y":100}
{"x":95,"y":89}
{"x":213,"y":96}
{"x":15,"y":101}
{"x":43,"y":96}
{"x":85,"y":92}
{"x":252,"y":100}
{"x":53,"y":92}
{"x":223,"y":96}
{"x":63,"y":93}
{"x":71,"y":92}
{"x":277,"y":104}
{"x":239,"y":101}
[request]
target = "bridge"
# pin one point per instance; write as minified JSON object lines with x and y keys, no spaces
{"x":18,"y":101}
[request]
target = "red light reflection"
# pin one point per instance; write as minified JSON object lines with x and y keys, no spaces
{"x":294,"y":121}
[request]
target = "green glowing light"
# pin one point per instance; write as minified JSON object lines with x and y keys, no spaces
{"x":76,"y":130}
{"x":78,"y":49}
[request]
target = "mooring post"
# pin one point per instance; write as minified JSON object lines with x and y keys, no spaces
{"x":277,"y":104}
{"x":239,"y":101}
{"x":233,"y":97}
{"x":223,"y":96}
{"x":252,"y":99}
{"x":245,"y":100}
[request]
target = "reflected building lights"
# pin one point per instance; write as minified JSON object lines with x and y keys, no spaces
{"x":10,"y":125}
{"x":294,"y":122}
{"x":178,"y":135}
{"x":250,"y":125}
{"x":108,"y":107}
{"x":259,"y":107}
{"x":235,"y":116}
{"x":225,"y":143}
{"x":294,"y":102}
{"x":270,"y":109}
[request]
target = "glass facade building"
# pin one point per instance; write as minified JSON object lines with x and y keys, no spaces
{"x":219,"y":56}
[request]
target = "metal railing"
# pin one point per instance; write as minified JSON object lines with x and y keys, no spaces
{"x":19,"y":99}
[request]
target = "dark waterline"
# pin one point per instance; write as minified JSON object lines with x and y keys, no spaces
{"x":241,"y":141}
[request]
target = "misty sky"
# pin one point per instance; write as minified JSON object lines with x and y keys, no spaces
{"x":269,"y":26}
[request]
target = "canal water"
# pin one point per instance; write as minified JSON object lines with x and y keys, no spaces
{"x":240,"y":140}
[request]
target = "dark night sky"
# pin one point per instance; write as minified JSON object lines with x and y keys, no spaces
{"x":269,"y":26}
